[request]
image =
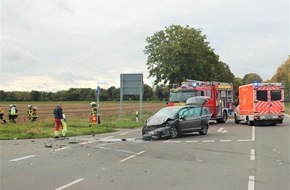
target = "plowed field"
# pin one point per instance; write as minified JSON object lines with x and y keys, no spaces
{"x":81,"y":109}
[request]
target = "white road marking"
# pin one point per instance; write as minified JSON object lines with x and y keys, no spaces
{"x":70,"y":184}
{"x":118,"y":150}
{"x":87,"y":142}
{"x":108,"y":137}
{"x":221,"y":130}
{"x":22,"y":158}
{"x":251,"y":184}
{"x":253,"y":154}
{"x":244,"y":140}
{"x":253,"y":133}
{"x":132,"y":156}
{"x":208,"y":141}
{"x":171,"y":141}
{"x":63,"y":148}
{"x":226,"y":140}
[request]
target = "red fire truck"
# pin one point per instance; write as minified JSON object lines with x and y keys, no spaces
{"x":220,"y":96}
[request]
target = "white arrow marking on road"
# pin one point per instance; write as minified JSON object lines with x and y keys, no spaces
{"x":221,"y":130}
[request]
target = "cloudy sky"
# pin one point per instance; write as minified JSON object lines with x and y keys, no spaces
{"x":50,"y":45}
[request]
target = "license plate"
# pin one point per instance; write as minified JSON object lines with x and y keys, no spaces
{"x":268,"y":116}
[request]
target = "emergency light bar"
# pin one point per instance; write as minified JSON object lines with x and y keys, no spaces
{"x":220,"y":85}
{"x":268,"y":84}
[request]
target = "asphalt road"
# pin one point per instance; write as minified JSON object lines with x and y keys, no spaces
{"x":230,"y":157}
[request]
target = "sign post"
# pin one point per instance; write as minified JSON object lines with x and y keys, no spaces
{"x":98,"y":92}
{"x":131,"y":84}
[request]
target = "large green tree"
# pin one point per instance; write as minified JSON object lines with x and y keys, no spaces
{"x":283,"y":75}
{"x":251,"y":78}
{"x":179,"y":53}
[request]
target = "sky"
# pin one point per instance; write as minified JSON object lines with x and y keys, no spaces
{"x":51,"y":45}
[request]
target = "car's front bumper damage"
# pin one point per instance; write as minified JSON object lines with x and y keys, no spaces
{"x":157,"y":133}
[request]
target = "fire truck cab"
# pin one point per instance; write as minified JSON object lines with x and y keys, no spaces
{"x":260,"y":103}
{"x":219,"y":95}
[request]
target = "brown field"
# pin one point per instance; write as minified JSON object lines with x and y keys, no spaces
{"x":81,"y":109}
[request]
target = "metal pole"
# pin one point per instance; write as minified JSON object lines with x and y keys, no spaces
{"x":98,"y":109}
{"x":121,"y":97}
{"x":141,"y":97}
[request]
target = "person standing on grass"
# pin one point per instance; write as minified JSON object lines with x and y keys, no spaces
{"x":2,"y":114}
{"x":13,"y":113}
{"x":29,"y":112}
{"x":58,"y":116}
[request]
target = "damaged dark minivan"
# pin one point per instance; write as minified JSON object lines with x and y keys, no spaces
{"x":173,"y":121}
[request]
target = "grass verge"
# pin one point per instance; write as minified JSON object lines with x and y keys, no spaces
{"x":76,"y":127}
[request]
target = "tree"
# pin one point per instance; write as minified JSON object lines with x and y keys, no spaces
{"x":237,"y":82}
{"x":283,"y":75}
{"x":35,"y":95}
{"x":148,"y":92}
{"x":159,"y":92}
{"x":251,"y":78}
{"x":2,"y":95}
{"x":222,"y":72}
{"x":179,"y":53}
{"x":111,"y":93}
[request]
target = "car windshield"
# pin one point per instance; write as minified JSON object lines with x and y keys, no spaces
{"x":168,"y":111}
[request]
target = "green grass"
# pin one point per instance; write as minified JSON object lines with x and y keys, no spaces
{"x":76,"y":127}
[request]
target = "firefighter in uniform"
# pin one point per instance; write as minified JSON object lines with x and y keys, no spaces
{"x":34,"y":115}
{"x":29,"y":112}
{"x":94,"y":113}
{"x":13,"y":113}
{"x":2,"y":114}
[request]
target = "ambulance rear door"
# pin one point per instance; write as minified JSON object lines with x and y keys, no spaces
{"x":269,"y":101}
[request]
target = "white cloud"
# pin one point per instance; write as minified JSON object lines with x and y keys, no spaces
{"x":59,"y":44}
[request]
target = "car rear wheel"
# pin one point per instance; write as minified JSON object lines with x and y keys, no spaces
{"x":173,"y":132}
{"x":204,"y":130}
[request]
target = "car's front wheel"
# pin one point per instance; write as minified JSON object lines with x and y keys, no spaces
{"x":173,"y":132}
{"x":204,"y":129}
